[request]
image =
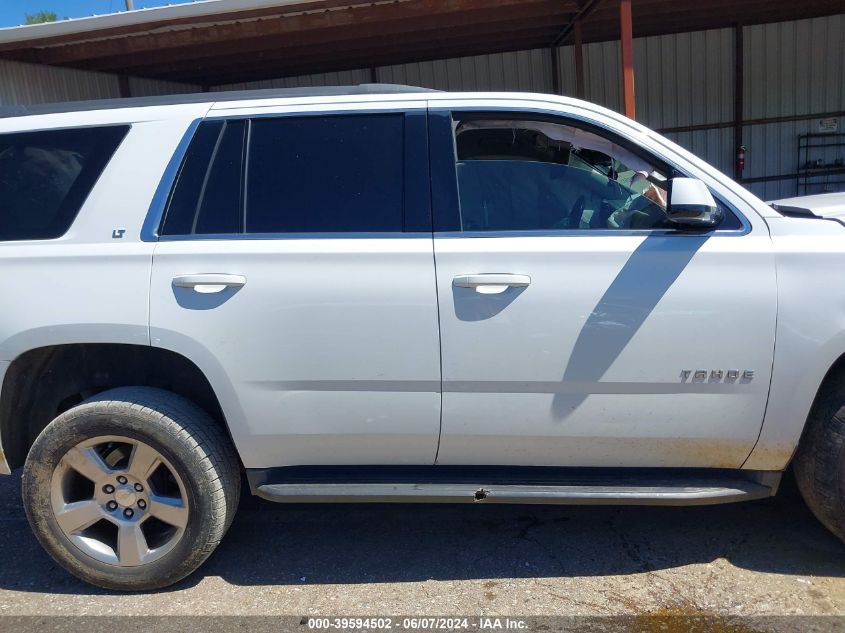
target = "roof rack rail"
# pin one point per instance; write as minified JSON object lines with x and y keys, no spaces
{"x":208,"y":97}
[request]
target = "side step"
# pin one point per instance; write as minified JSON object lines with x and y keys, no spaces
{"x":582,"y":490}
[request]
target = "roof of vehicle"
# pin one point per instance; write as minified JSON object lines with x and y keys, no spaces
{"x":208,"y":97}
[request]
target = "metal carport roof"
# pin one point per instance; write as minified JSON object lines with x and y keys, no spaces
{"x":219,"y":41}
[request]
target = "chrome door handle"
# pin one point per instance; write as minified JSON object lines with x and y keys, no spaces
{"x":491,"y":283}
{"x":209,"y":283}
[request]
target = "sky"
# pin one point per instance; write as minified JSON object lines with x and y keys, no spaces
{"x":13,"y":12}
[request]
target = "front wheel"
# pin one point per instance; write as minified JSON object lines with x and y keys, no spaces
{"x":819,"y":463}
{"x":132,"y":489}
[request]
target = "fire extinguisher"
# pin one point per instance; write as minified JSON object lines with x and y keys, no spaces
{"x":740,"y":160}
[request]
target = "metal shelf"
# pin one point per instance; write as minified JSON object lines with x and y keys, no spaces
{"x":808,"y":175}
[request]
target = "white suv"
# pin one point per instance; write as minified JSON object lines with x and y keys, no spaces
{"x":387,"y":294}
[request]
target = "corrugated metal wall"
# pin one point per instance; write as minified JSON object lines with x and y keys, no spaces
{"x":528,"y":71}
{"x":685,"y":80}
{"x":343,"y":78}
{"x":142,"y":87}
{"x":791,"y":69}
{"x":27,"y":84}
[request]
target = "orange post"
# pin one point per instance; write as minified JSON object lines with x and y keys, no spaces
{"x":627,"y":46}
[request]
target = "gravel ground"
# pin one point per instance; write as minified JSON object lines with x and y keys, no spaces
{"x":768,"y":557}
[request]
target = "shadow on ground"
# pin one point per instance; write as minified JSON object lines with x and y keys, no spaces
{"x":347,"y":544}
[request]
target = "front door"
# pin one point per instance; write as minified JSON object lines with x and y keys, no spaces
{"x":301,"y":281}
{"x":579,"y":328}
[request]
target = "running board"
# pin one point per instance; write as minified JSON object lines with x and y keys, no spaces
{"x":665,"y":493}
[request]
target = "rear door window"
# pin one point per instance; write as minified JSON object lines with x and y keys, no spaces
{"x":358,"y":174}
{"x":46,"y":176}
{"x":333,"y":174}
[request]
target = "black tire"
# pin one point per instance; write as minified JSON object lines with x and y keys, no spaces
{"x":185,"y":435}
{"x":819,"y":463}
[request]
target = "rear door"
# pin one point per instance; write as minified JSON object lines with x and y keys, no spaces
{"x":579,"y":328}
{"x":295,"y":267}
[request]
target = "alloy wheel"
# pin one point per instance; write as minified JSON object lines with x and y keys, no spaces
{"x":119,"y":501}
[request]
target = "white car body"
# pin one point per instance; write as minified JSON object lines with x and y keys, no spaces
{"x":359,"y":350}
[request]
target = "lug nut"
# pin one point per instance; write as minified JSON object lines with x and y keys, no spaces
{"x":139,"y":487}
{"x":128,"y":513}
{"x":121,"y":480}
{"x":108,"y":489}
{"x":112,"y":505}
{"x":142,"y":504}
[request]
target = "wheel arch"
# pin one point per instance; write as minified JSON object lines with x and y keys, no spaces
{"x":788,"y":411}
{"x":834,"y":373}
{"x":43,"y":382}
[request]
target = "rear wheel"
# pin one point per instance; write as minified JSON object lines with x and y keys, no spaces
{"x":820,"y":461}
{"x":132,"y":489}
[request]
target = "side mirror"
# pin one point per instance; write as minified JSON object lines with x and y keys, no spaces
{"x":691,"y":204}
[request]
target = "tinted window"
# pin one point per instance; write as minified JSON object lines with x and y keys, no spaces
{"x":534,"y":175}
{"x":207,"y":196}
{"x":325,"y":174}
{"x":516,"y":175}
{"x":45,"y":178}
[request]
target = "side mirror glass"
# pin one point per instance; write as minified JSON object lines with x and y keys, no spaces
{"x":691,"y":204}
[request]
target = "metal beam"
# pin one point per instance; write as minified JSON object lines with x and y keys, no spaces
{"x":264,"y":43}
{"x":366,"y":53}
{"x":147,"y":26}
{"x":302,"y":29}
{"x":724,"y":125}
{"x":585,"y":9}
{"x":123,"y":86}
{"x":739,"y":83}
{"x":579,"y":62}
{"x":352,"y":60}
{"x":660,"y":17}
{"x":627,"y":48}
{"x":331,"y":41}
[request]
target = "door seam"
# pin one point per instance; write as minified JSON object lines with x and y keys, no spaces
{"x":432,"y":212}
{"x":440,"y":346}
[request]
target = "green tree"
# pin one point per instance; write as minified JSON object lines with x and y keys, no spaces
{"x":41,"y":16}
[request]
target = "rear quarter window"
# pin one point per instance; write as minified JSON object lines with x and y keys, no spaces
{"x":207,"y":195}
{"x":46,"y":176}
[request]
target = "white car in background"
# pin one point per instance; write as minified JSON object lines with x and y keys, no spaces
{"x":382,"y":293}
{"x":823,"y":205}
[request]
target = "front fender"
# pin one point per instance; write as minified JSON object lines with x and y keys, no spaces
{"x":810,"y":334}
